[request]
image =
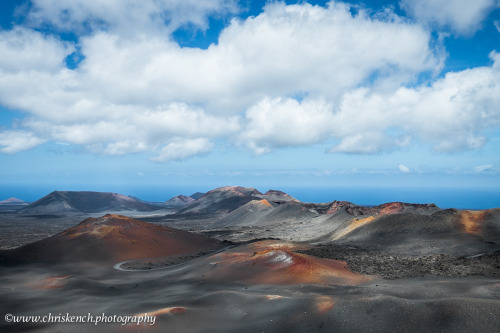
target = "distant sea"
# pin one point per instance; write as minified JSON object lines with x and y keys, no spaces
{"x":460,"y":198}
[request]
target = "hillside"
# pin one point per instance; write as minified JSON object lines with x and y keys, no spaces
{"x":111,"y":239}
{"x":86,"y":202}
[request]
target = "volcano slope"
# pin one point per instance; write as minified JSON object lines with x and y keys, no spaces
{"x":59,"y":202}
{"x":459,"y":233}
{"x":393,"y":240}
{"x":382,"y":240}
{"x":241,"y":214}
{"x":261,"y":286}
{"x":356,"y":269}
{"x":110,"y":239}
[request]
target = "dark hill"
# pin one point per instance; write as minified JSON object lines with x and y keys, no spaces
{"x":12,"y":201}
{"x":178,"y":201}
{"x":196,"y":195}
{"x":249,"y":214}
{"x":111,"y":239}
{"x":460,"y":233}
{"x":86,"y":202}
{"x":278,"y":196}
{"x":221,"y":201}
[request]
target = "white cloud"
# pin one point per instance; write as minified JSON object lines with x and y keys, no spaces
{"x":484,"y":168}
{"x":403,"y":168}
{"x":497,"y":25}
{"x":450,"y":114}
{"x":117,"y":147}
{"x":25,"y":50}
{"x":142,"y":92}
{"x":362,"y":142}
{"x":139,"y":131}
{"x":126,"y":17}
{"x":182,"y":149}
{"x":286,"y":122}
{"x":15,"y":141}
{"x":304,"y":48}
{"x":285,"y":50}
{"x":462,"y":16}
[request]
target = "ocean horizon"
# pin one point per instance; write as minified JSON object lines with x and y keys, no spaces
{"x":451,"y":197}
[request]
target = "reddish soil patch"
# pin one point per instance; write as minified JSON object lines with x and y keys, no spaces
{"x":471,"y":221}
{"x":277,"y":263}
{"x":111,"y":239}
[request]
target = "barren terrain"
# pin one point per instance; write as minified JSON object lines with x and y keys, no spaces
{"x":239,"y":260}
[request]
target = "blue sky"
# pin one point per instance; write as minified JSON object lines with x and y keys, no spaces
{"x":368,"y":101}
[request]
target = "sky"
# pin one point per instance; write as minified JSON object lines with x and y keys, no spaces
{"x":368,"y":101}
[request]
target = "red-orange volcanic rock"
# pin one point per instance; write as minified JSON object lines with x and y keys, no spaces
{"x":354,"y":224}
{"x":222,"y":200}
{"x":471,"y":221}
{"x":383,"y":209}
{"x":147,"y":324}
{"x":169,"y":310}
{"x":324,"y":304}
{"x":273,"y":297}
{"x":402,"y":207}
{"x":272,"y":262}
{"x":53,"y":282}
{"x":114,"y":238}
{"x":390,"y":208}
{"x":336,"y":205}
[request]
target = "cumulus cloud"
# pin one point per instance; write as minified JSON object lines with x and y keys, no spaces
{"x":27,"y":50}
{"x":484,"y":168}
{"x":15,"y":141}
{"x":285,"y":122}
{"x":403,"y":168}
{"x":462,"y":16}
{"x":117,"y":147}
{"x":450,"y":114}
{"x":126,"y":16}
{"x":142,"y":92}
{"x":141,"y":130}
{"x":322,"y":51}
{"x":283,"y":51}
{"x":182,"y":149}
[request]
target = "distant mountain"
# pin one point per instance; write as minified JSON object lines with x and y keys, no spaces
{"x":278,"y":196}
{"x":111,"y":239}
{"x":394,"y":227}
{"x":221,"y":201}
{"x":266,"y":213}
{"x":13,"y":201}
{"x":249,"y":207}
{"x":278,"y":215}
{"x":178,"y":201}
{"x":247,"y":215}
{"x":351,"y":209}
{"x":86,"y":202}
{"x":460,"y":233}
{"x":196,"y":195}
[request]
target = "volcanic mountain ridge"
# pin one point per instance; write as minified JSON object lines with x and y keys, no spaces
{"x":12,"y":201}
{"x":178,"y":201}
{"x":110,"y":239}
{"x":86,"y":202}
